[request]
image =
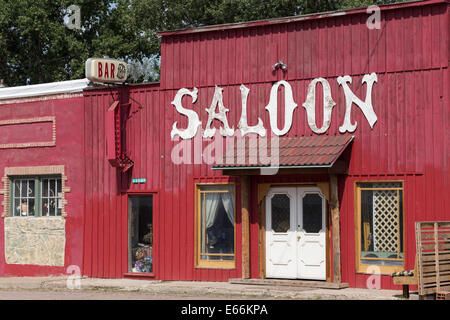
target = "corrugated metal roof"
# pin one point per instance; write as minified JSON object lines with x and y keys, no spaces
{"x":34,"y":90}
{"x":312,"y":151}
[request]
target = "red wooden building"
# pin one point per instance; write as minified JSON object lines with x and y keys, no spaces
{"x":351,"y":117}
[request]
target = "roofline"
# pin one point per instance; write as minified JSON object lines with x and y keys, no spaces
{"x":44,"y":89}
{"x":305,"y":17}
{"x":273,"y":167}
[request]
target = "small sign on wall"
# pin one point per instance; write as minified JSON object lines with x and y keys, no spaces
{"x":106,"y":70}
{"x":141,"y":180}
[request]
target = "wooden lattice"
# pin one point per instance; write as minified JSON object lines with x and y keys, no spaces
{"x":386,"y":220}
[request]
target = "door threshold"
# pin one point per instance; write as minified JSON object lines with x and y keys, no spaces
{"x":291,"y":283}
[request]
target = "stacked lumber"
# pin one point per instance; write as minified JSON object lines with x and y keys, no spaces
{"x":433,"y":252}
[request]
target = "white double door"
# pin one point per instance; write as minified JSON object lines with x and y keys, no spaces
{"x":295,"y":233}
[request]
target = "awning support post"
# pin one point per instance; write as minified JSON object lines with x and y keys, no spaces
{"x":245,"y":228}
{"x":334,"y":208}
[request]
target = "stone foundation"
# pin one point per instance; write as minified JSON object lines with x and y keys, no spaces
{"x":37,"y":241}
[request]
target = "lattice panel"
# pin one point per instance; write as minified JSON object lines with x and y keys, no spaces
{"x":385,"y":220}
{"x":387,"y":185}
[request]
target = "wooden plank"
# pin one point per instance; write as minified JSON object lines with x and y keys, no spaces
{"x":405,"y":280}
{"x":334,"y":207}
{"x":430,"y":225}
{"x":442,"y":267}
{"x":418,"y":257}
{"x":431,"y":257}
{"x":245,"y":228}
{"x":436,"y":250}
{"x":435,"y":279}
{"x":433,"y":285}
{"x":441,"y":235}
{"x":291,"y":283}
{"x":441,"y":253}
{"x":433,"y":273}
{"x":442,"y":246}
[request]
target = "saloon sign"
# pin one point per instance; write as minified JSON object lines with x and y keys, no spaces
{"x":106,"y":70}
{"x":218,"y":111}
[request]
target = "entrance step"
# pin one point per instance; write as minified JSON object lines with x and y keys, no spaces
{"x":291,"y":283}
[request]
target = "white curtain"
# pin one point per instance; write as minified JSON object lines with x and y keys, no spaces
{"x":212,"y":202}
{"x":228,"y":204}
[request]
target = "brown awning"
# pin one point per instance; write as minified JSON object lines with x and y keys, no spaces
{"x":297,"y":152}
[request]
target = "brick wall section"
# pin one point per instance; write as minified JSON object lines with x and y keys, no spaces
{"x":32,"y":171}
{"x":30,"y":144}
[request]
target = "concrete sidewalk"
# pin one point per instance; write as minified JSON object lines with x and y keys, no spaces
{"x":213,"y":289}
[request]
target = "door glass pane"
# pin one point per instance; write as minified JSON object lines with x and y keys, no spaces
{"x":140,"y":241}
{"x":281,"y":213}
{"x":312,"y":213}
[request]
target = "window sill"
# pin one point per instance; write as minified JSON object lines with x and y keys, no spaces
{"x":216,"y":266}
{"x":384,"y":270}
{"x":138,"y":275}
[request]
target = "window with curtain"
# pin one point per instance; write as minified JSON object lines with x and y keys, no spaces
{"x":216,"y":226}
{"x":380,"y":214}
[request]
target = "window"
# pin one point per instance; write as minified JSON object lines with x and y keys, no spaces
{"x":380,"y":226}
{"x":140,"y":239}
{"x":215,"y":226}
{"x":36,"y":196}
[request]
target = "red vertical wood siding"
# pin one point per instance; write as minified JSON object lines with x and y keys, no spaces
{"x":410,"y":141}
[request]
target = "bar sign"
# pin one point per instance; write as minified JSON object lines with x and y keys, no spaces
{"x":142,"y":180}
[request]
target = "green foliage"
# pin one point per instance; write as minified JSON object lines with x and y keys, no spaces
{"x":37,"y":47}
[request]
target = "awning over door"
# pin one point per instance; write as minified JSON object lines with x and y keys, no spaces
{"x":296,"y":152}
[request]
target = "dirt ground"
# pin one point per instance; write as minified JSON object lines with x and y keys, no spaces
{"x":50,"y":288}
{"x":105,"y":295}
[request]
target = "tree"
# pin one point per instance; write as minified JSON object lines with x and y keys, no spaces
{"x":36,"y":46}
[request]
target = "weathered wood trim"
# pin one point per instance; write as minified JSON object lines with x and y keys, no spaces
{"x":334,"y":210}
{"x":262,"y":238}
{"x":245,"y":228}
{"x":436,"y":251}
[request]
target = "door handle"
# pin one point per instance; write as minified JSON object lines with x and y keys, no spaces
{"x":298,"y":238}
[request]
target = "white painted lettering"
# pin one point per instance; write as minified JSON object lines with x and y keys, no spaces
{"x":289,"y":104}
{"x":221,"y":116}
{"x":350,"y":98}
{"x":194,"y":121}
{"x":243,"y":125}
{"x":310,"y":105}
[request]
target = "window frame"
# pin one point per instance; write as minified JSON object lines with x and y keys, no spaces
{"x":38,"y":199}
{"x":367,"y":268}
{"x":212,"y":264}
